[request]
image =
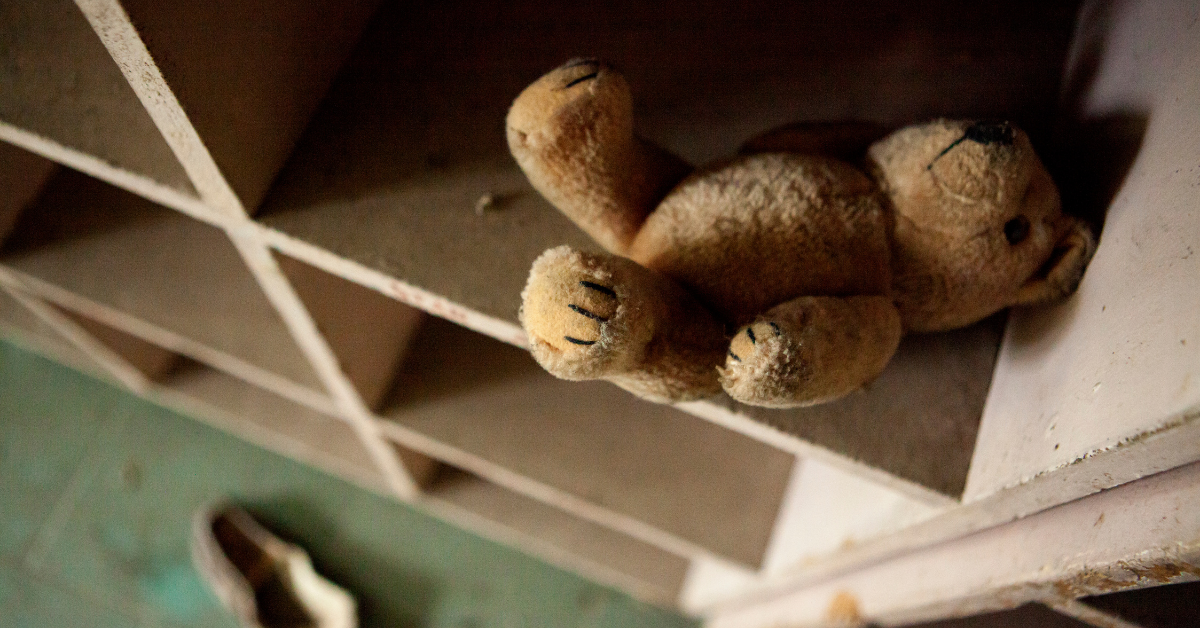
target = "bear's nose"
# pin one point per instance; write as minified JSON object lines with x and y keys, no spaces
{"x":991,"y":132}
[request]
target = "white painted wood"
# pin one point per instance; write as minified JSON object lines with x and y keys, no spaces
{"x":22,"y":327}
{"x":1120,"y":361}
{"x":238,"y":80}
{"x":107,"y":358}
{"x":111,"y":23}
{"x":283,"y":297}
{"x":103,"y":170}
{"x":132,"y":325}
{"x":368,"y":332}
{"x":1143,"y":533}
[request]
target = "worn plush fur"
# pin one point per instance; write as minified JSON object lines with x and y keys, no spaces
{"x":819,"y":265}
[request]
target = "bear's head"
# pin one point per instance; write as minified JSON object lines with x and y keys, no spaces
{"x":978,"y":223}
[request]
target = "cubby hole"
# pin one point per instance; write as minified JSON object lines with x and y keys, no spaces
{"x":20,"y":325}
{"x":588,"y":447}
{"x":127,"y":262}
{"x":61,"y":90}
{"x":595,"y":551}
{"x":368,"y":332}
{"x":249,"y":74}
{"x":236,"y":406}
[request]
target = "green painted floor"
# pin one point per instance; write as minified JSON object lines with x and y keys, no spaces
{"x":97,"y":488}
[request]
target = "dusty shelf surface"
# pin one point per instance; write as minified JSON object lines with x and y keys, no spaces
{"x":700,"y":482}
{"x":58,"y":82}
{"x":249,"y":73}
{"x":122,"y":252}
{"x":410,"y":137}
{"x":918,"y":420}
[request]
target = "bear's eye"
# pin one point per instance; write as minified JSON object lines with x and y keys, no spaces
{"x":1016,"y":230}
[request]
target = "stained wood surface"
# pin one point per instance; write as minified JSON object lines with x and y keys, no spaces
{"x":22,"y":175}
{"x":20,"y":325}
{"x":369,"y":332}
{"x":172,"y":271}
{"x":1117,"y":366}
{"x":59,"y":82}
{"x":707,"y":485}
{"x":248,"y":75}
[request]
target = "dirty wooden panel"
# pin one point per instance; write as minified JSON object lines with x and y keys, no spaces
{"x":647,"y":572}
{"x":22,"y":175}
{"x":58,"y":82}
{"x":149,"y":359}
{"x":249,"y":74}
{"x":712,"y":487}
{"x":1119,"y":362}
{"x":367,"y":331}
{"x":1141,"y":533}
{"x":169,"y":270}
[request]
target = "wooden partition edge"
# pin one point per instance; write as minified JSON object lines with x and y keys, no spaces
{"x":116,"y":31}
{"x":315,"y":347}
{"x":138,"y":184}
{"x":112,"y":362}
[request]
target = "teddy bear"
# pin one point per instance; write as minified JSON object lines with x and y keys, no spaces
{"x":786,"y":275}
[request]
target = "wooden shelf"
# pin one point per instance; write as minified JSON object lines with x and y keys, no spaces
{"x":644,"y":468}
{"x":645,"y":571}
{"x":119,"y":258}
{"x":382,"y":188}
{"x":20,"y":325}
{"x":247,"y":76}
{"x":61,"y":95}
{"x":328,"y":160}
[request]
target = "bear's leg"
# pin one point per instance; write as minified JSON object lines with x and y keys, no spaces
{"x":571,"y":132}
{"x":599,"y":316}
{"x":811,"y":350}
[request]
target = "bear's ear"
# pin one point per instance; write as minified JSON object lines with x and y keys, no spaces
{"x":1061,"y":274}
{"x":847,"y":140}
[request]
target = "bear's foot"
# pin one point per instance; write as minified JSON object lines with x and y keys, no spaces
{"x":600,"y":316}
{"x":811,"y":350}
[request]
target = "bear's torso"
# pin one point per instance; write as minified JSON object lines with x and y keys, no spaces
{"x":753,"y":232}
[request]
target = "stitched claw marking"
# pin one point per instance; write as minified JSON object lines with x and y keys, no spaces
{"x":591,"y":315}
{"x":578,"y":341}
{"x":750,"y":333}
{"x":586,"y":77}
{"x":734,"y":355}
{"x":599,"y":288}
